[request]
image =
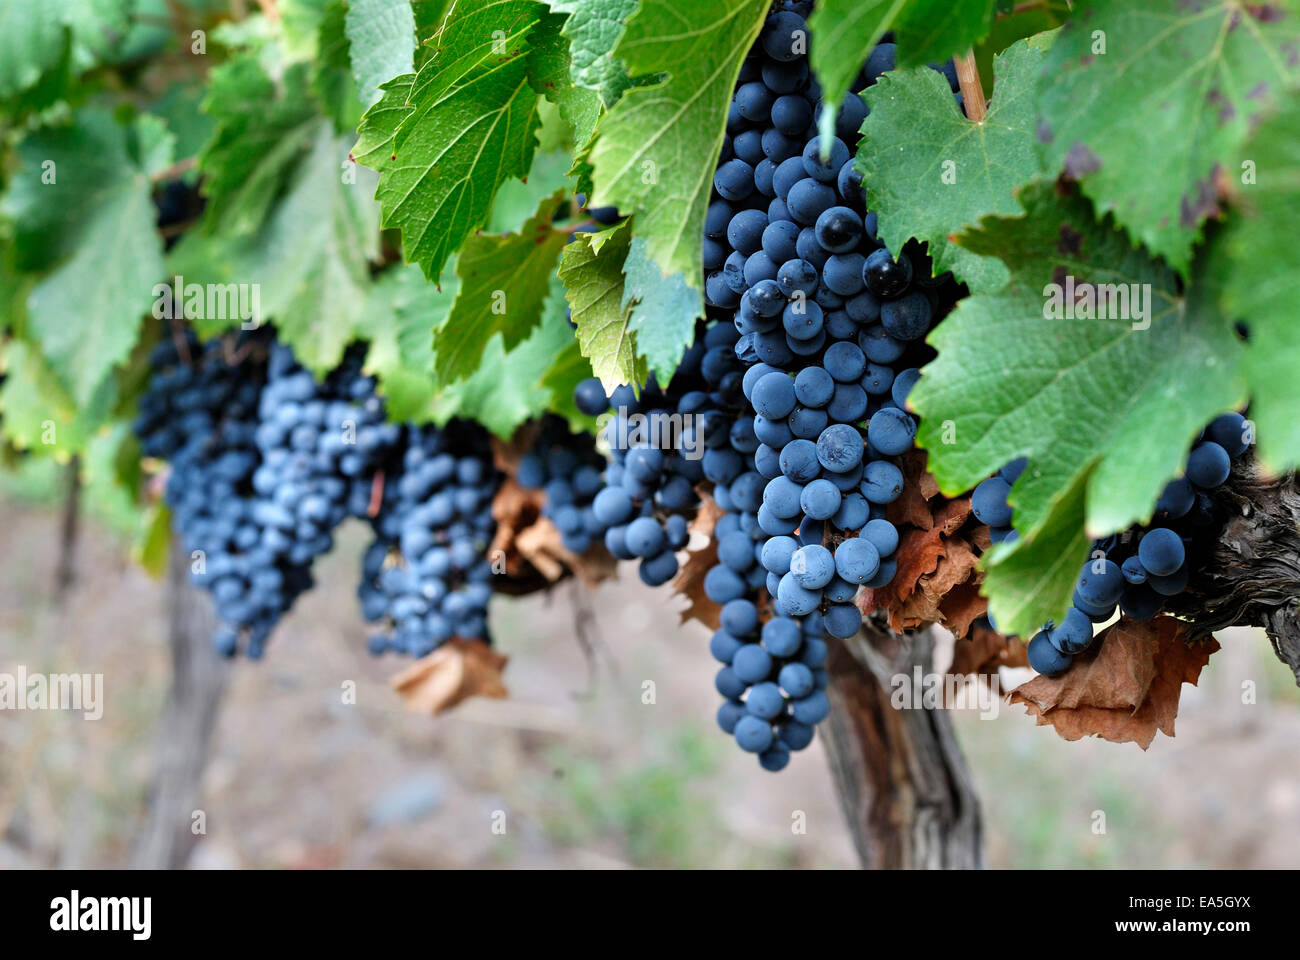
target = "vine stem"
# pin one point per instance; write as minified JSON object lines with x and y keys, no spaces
{"x":174,"y":171}
{"x":972,"y":91}
{"x":376,"y":494}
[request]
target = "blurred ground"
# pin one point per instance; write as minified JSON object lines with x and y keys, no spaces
{"x":581,"y":771}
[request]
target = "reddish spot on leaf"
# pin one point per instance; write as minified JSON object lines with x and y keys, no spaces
{"x":1081,"y":161}
{"x":1205,"y":202}
{"x":1265,"y":12}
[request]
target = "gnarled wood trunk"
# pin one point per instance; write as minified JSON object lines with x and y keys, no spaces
{"x":900,"y":774}
{"x":1253,"y":576}
{"x":199,"y":678}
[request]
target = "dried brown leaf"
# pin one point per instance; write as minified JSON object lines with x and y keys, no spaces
{"x":924,"y":604}
{"x":526,"y":542}
{"x":689,"y":581}
{"x":457,"y":670}
{"x":913,"y":508}
{"x":962,"y":605}
{"x":921,"y":552}
{"x":1125,"y":687}
{"x":983,"y":650}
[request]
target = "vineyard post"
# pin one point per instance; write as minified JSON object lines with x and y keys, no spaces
{"x":198,"y":683}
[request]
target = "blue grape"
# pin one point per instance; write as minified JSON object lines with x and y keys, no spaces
{"x":812,"y":566}
{"x":845,"y":362}
{"x":882,"y":482}
{"x":839,"y":448}
{"x":820,"y":499}
{"x":884,"y":276}
{"x":1161,"y":551}
{"x":838,"y":229}
{"x":908,"y":317}
{"x":1208,"y":465}
{"x":1045,"y":658}
{"x":814,"y":386}
{"x":824,"y":170}
{"x":989,"y":502}
{"x":891,"y":431}
{"x":857,"y":560}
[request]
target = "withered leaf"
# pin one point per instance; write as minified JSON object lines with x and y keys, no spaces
{"x":689,"y":581}
{"x":457,"y":670}
{"x":983,"y":650}
{"x":1125,"y":687}
{"x":527,"y":541}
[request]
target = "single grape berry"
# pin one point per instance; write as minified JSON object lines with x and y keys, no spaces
{"x":1161,"y":551}
{"x":589,"y":397}
{"x":838,"y":229}
{"x":885,"y":276}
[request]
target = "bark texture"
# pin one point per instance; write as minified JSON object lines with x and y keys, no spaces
{"x":199,"y":678}
{"x":1252,"y":576}
{"x":901,"y":778}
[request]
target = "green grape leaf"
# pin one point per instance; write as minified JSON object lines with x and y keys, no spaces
{"x":548,"y":72}
{"x":260,"y":136}
{"x":154,"y":146}
{"x":180,"y":108}
{"x":503,"y":284}
{"x":453,"y":150}
{"x":378,"y":128}
{"x":472,"y":37}
{"x":300,"y":22}
{"x":1032,"y":581}
{"x":928,"y":171}
{"x":594,"y":28}
{"x":153,"y":542}
{"x":663,"y":311}
{"x":401,"y":314}
{"x":88,"y":209}
{"x":844,"y":32}
{"x":656,"y":148}
{"x":38,"y":413}
{"x":517,"y":200}
{"x":32,"y":41}
{"x":381,"y":43}
{"x":929,"y":31}
{"x":592,"y":270}
{"x":507,"y":387}
{"x":568,"y":368}
{"x":1193,"y":78}
{"x":1124,"y":397}
{"x":1260,"y":284}
{"x":45,"y":42}
{"x":332,"y":80}
{"x":429,"y":15}
{"x":308,"y":267}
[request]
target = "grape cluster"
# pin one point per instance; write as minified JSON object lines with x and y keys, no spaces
{"x":568,"y":469}
{"x":320,"y":444}
{"x":267,"y":460}
{"x":427,"y":576}
{"x":658,"y":446}
{"x":200,"y":412}
{"x":1141,"y":567}
{"x":830,"y":327}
